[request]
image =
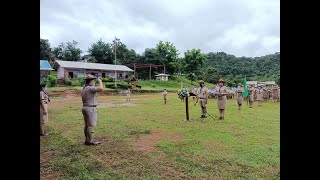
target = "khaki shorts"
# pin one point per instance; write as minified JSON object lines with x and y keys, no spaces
{"x":43,"y":118}
{"x":202,"y":102}
{"x":90,"y":116}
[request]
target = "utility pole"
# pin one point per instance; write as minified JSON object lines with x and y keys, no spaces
{"x":115,"y":43}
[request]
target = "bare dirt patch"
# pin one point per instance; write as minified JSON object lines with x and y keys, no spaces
{"x":147,"y":142}
{"x":113,"y":105}
{"x":45,"y":157}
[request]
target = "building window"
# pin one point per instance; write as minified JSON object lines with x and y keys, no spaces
{"x":103,"y":75}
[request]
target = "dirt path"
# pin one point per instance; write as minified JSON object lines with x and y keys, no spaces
{"x":147,"y":142}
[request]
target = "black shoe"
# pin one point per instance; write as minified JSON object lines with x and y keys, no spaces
{"x":92,"y":143}
{"x":220,"y":118}
{"x":45,"y":134}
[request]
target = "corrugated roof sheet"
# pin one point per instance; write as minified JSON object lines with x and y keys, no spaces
{"x":45,"y":65}
{"x":97,"y":66}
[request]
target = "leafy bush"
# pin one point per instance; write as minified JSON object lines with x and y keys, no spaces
{"x":81,"y":81}
{"x":67,"y":81}
{"x":107,"y":79}
{"x":121,"y":86}
{"x":51,"y":80}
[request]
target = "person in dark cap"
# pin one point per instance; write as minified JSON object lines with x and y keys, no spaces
{"x":239,"y":96}
{"x":44,"y":100}
{"x":89,"y":109}
{"x":221,"y":90}
{"x":202,"y":96}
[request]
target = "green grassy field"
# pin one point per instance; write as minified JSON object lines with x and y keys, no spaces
{"x":151,"y":141}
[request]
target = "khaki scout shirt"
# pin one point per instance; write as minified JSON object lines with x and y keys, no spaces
{"x":203,"y":92}
{"x":89,"y":96}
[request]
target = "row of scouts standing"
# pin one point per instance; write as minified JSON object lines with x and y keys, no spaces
{"x":260,"y":94}
{"x":89,"y":101}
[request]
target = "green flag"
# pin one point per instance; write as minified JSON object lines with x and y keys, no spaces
{"x":245,"y":90}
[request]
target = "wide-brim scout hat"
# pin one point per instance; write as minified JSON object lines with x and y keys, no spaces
{"x":201,"y":82}
{"x":90,"y":76}
{"x":221,"y":80}
{"x":239,"y":84}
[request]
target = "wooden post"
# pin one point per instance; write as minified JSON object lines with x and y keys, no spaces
{"x":187,"y":109}
{"x":134,"y":67}
{"x":150,"y":73}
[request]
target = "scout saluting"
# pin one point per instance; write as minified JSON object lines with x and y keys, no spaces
{"x":89,"y":109}
{"x":239,"y":97}
{"x":222,"y":99}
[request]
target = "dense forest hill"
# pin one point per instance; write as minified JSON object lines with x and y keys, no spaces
{"x":234,"y":69}
{"x":193,"y":64}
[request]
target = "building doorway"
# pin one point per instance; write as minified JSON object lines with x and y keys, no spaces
{"x":70,"y":74}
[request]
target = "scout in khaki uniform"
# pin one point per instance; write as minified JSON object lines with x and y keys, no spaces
{"x":164,"y":93}
{"x":259,"y":93}
{"x":202,"y":97}
{"x":265,"y":93}
{"x":251,"y":96}
{"x":239,"y":96}
{"x":269,"y":93}
{"x":44,"y":100}
{"x":222,"y":99}
{"x":128,"y":94}
{"x":275,"y":94}
{"x":89,"y":109}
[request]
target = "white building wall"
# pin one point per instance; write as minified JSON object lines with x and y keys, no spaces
{"x":60,"y":72}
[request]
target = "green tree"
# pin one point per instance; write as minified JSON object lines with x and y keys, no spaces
{"x":168,"y":55}
{"x":150,"y":55}
{"x":45,"y":50}
{"x":194,"y":59}
{"x":101,"y":52}
{"x":211,"y":75}
{"x":68,"y":51}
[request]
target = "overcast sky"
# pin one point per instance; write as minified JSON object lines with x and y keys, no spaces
{"x":238,"y":27}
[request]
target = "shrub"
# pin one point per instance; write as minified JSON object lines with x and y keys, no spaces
{"x":107,"y":79}
{"x":51,"y":80}
{"x":121,"y":86}
{"x":81,"y":81}
{"x":67,"y":81}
